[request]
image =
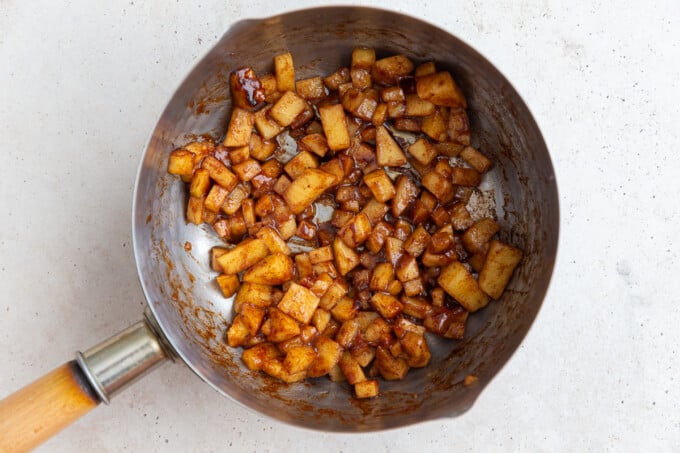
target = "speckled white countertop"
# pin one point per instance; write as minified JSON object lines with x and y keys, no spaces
{"x":82,"y":84}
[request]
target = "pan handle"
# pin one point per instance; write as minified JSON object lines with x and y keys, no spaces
{"x":40,"y":410}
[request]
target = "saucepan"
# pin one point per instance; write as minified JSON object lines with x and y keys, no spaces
{"x":187,"y":316}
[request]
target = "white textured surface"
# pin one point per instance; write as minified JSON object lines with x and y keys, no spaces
{"x":82,"y":84}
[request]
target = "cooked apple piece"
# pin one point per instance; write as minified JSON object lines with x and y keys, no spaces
{"x":215,"y":253}
{"x":440,"y":89}
{"x":378,"y":332}
{"x":408,"y":124}
{"x":417,"y":241}
{"x":252,"y":317}
{"x":200,"y":183}
{"x":220,"y":173}
{"x":281,"y":184}
{"x":394,"y":249}
{"x":360,"y":103}
{"x":299,"y":358}
{"x":379,"y":235}
{"x":476,"y":237}
{"x":356,"y":231}
{"x":245,"y":88}
{"x":396,"y":109}
{"x":334,"y":293}
{"x":392,"y":94}
{"x":321,"y":255}
{"x":306,"y":230}
{"x":284,"y":70}
{"x":461,"y":285}
{"x":367,"y":389}
{"x":379,"y":115}
{"x":346,"y":258}
{"x":442,"y":240}
{"x":375,"y":211}
{"x":407,"y":268}
{"x":287,"y":227}
{"x":228,"y":284}
{"x":417,"y":350}
{"x":311,"y":89}
{"x":200,"y":150}
{"x":388,"y":152}
{"x":415,"y":106}
{"x":390,"y":368}
{"x":425,"y":69}
{"x":460,"y":217}
{"x":255,"y":295}
{"x":336,"y":79}
{"x":328,"y":355}
{"x":195,"y":210}
{"x":347,"y":333}
{"x":388,"y":306}
{"x":476,"y":159}
{"x":501,"y":261}
{"x":380,"y":185}
{"x":303,"y":265}
{"x":240,"y":153}
{"x":305,"y":189}
{"x":449,"y":149}
{"x":274,"y":269}
{"x":255,"y":357}
{"x":361,"y":78}
{"x":243,"y":256}
{"x":298,"y":164}
{"x":321,"y":284}
{"x":320,"y":319}
{"x":315,"y":143}
{"x":248,"y":212}
{"x":388,"y":71}
{"x":447,"y":322}
{"x":422,"y":151}
{"x":476,"y":261}
{"x":435,"y":126}
{"x":438,"y":185}
{"x":334,"y":123}
{"x":413,"y":287}
{"x":235,"y":200}
{"x":240,"y":128}
{"x":465,"y":177}
{"x":259,"y":148}
{"x":416,"y":307}
{"x":181,"y":162}
{"x":271,"y":92}
{"x":273,"y":240}
{"x":351,"y":369}
{"x":345,"y":309}
{"x":266,"y":127}
{"x":275,"y":369}
{"x":287,"y":108}
{"x":382,"y":275}
{"x":247,"y":169}
{"x":459,"y":126}
{"x":363,"y":57}
{"x":238,"y":332}
{"x":282,"y":326}
{"x":299,"y":302}
{"x":405,"y":195}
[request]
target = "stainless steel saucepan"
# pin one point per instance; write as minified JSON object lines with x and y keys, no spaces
{"x":187,"y":315}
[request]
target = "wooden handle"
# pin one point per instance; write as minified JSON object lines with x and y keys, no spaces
{"x":38,"y":411}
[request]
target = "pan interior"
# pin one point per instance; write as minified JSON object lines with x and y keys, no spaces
{"x":173,"y":257}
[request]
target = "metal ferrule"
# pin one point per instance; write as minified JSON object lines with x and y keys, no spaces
{"x":117,"y":362}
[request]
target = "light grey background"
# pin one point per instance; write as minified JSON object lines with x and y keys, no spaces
{"x":81,"y":85}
